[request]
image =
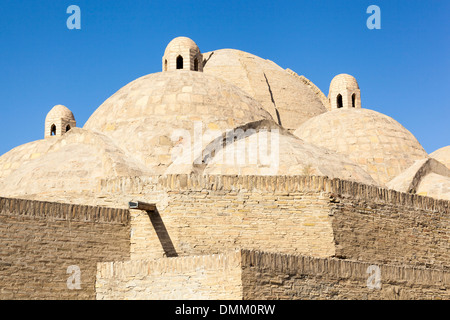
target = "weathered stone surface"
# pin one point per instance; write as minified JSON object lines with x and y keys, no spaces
{"x":40,"y":240}
{"x":376,"y":142}
{"x":442,"y":155}
{"x":288,"y":99}
{"x":284,"y":277}
{"x":208,"y":277}
{"x":427,"y":177}
{"x":256,"y":275}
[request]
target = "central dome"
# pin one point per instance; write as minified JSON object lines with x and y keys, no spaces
{"x":143,"y":117}
{"x":289,"y":98}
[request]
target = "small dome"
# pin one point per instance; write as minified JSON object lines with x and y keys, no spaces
{"x":344,"y":81}
{"x":181,"y":43}
{"x":442,"y":155}
{"x":59,"y":121}
{"x":344,"y":92}
{"x":376,"y":142}
{"x":60,"y":112}
{"x":182,"y":53}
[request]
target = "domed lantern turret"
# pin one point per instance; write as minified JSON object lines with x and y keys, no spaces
{"x":182,"y":54}
{"x":58,"y":121}
{"x":344,"y":92}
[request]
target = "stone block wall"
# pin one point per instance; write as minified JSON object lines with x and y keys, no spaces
{"x":298,"y":215}
{"x":256,"y":275}
{"x":276,"y":276}
{"x":211,"y":277}
{"x":385,"y":226}
{"x":198,"y":216}
{"x":41,"y":240}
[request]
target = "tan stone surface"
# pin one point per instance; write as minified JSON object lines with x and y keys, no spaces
{"x":265,"y":148}
{"x":60,"y":117}
{"x":142,"y":116}
{"x":346,"y":86}
{"x":271,"y":276}
{"x":207,"y":277}
{"x":376,"y":142}
{"x":427,"y":177}
{"x":442,"y":155}
{"x":40,"y":240}
{"x":435,"y":185}
{"x":272,"y":86}
{"x":72,"y":163}
{"x":185,"y":48}
{"x":20,"y":155}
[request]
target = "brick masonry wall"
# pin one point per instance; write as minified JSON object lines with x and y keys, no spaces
{"x":384,"y":226}
{"x":216,"y":277}
{"x":194,"y":219}
{"x":302,"y":215}
{"x":277,"y":276}
{"x":40,"y":240}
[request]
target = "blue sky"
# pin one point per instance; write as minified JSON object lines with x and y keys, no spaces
{"x":403,"y":69}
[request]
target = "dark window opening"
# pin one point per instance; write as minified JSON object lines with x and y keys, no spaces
{"x":165,"y":65}
{"x":339,"y":101}
{"x":195,"y":64}
{"x":53,"y":130}
{"x":67,"y":128}
{"x":353,"y":100}
{"x":180,"y":62}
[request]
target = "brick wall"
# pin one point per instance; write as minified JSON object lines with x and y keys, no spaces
{"x":277,"y":276}
{"x":216,"y":277}
{"x":384,"y":226}
{"x":300,"y":215}
{"x":40,"y":240}
{"x":198,"y":218}
{"x":255,"y":275}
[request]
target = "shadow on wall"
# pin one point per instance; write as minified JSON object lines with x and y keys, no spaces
{"x":162,"y":233}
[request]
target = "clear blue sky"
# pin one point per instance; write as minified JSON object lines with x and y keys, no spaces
{"x":403,"y":69}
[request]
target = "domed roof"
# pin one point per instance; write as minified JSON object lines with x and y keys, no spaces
{"x":442,"y":155}
{"x":290,"y":99}
{"x":20,"y":155}
{"x":180,"y":43}
{"x":344,"y":81}
{"x":435,"y":186}
{"x":376,"y":142}
{"x":143,"y":117}
{"x":70,"y":164}
{"x":264,"y":148}
{"x":60,"y":112}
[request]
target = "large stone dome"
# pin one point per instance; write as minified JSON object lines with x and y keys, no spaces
{"x":146,"y":116}
{"x":289,"y":98}
{"x":442,"y":155}
{"x":376,"y":142}
{"x":66,"y":167}
{"x":263,"y":148}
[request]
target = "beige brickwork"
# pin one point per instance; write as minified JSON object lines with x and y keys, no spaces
{"x":344,"y":92}
{"x":209,"y":277}
{"x":58,"y":121}
{"x":41,"y":240}
{"x":376,"y":142}
{"x":269,"y":276}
